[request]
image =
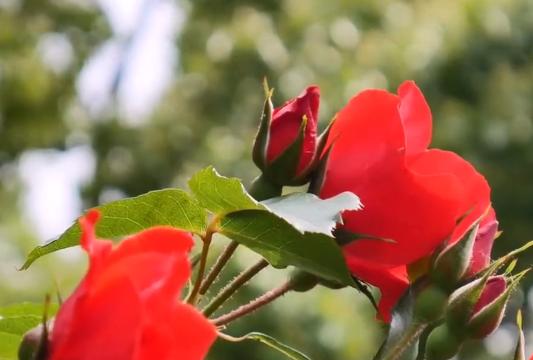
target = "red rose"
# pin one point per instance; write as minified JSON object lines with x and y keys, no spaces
{"x":412,"y":195}
{"x":127,"y":305}
{"x":286,"y":122}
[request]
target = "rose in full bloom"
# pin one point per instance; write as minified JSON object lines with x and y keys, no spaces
{"x":415,"y":197}
{"x":127,"y":307}
{"x":284,"y":130}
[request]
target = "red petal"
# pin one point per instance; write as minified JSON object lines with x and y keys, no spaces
{"x":187,"y":335}
{"x":161,"y":239}
{"x":483,"y":243}
{"x":105,"y":325}
{"x":365,"y":133}
{"x":129,"y":292}
{"x":474,"y":193}
{"x":98,"y":250}
{"x":417,"y":211}
{"x":392,"y":283}
{"x":416,"y":118}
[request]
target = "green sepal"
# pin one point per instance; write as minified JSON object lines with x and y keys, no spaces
{"x":319,"y":174}
{"x":452,"y":263}
{"x":302,"y":281}
{"x":462,"y":302}
{"x":323,"y":138}
{"x":283,"y":169}
{"x":317,"y":161}
{"x":345,"y":237}
{"x":507,"y":258}
{"x":262,"y":189}
{"x":263,"y":133}
{"x":520,"y":351}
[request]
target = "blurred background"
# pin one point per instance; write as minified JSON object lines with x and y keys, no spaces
{"x":105,"y":99}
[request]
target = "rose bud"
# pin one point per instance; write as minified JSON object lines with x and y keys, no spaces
{"x":476,"y":309}
{"x":286,"y":144}
{"x":416,"y":197}
{"x":442,"y":344}
{"x":490,"y":307}
{"x":467,"y":254}
{"x":127,"y":306}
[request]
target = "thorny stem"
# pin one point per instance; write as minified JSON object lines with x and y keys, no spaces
{"x":255,"y":304}
{"x":218,"y":266}
{"x":260,"y":189}
{"x":233,"y":286}
{"x":193,"y":296}
{"x":410,"y":335}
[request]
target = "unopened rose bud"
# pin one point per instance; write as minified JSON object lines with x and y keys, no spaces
{"x":451,"y":264}
{"x":442,"y":344}
{"x":476,"y":309}
{"x":285,"y":147}
{"x":489,"y":309}
{"x":430,"y":304}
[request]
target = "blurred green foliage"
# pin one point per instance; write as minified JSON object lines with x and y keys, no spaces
{"x":472,"y":58}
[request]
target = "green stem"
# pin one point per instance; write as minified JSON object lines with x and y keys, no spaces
{"x":423,"y":340}
{"x":255,"y":304}
{"x":193,"y":296}
{"x":410,"y":335}
{"x":233,"y":286}
{"x":218,"y":266}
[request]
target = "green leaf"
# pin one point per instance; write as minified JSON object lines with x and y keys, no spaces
{"x":286,"y":350}
{"x":27,"y":308}
{"x":18,"y":325}
{"x":219,"y":194}
{"x":9,"y":345}
{"x":281,"y":244}
{"x":280,"y":231}
{"x":17,"y":319}
{"x":308,"y":213}
{"x":170,"y":207}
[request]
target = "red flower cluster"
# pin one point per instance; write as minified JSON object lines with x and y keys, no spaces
{"x":415,"y":196}
{"x":127,"y":305}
